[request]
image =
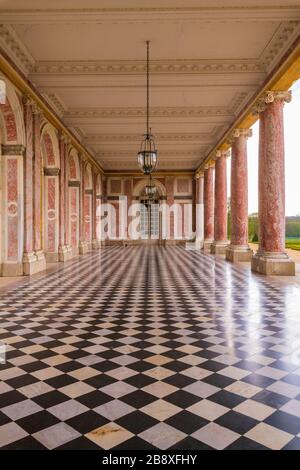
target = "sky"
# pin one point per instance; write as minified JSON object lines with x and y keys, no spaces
{"x":292,"y":158}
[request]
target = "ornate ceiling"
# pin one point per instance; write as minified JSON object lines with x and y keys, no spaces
{"x":208,"y":58}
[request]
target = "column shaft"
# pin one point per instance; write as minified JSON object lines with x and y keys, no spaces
{"x":208,"y":198}
{"x":239,"y":250}
{"x":220,"y":219}
{"x":271,"y":257}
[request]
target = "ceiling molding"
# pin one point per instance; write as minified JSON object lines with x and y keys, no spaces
{"x":180,"y":112}
{"x":165,"y":153}
{"x":15,"y":49}
{"x":187,"y":137}
{"x":55,"y":101}
{"x":284,"y":36}
{"x":138,"y":67}
{"x":149,"y":15}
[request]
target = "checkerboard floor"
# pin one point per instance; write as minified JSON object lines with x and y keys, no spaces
{"x":150,"y":348}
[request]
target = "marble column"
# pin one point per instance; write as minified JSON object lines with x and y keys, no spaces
{"x":220,"y":242}
{"x":38,"y":172}
{"x":199,"y":210}
{"x":95,"y":241}
{"x":239,"y":250}
{"x":64,"y":252}
{"x":83,"y":244}
{"x":271,"y":258}
{"x":29,"y":258}
{"x":208,"y":198}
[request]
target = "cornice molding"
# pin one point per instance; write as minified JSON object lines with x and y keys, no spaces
{"x":137,"y":67}
{"x":56,"y":102}
{"x":115,"y":112}
{"x":15,"y":48}
{"x":149,"y":15}
{"x":284,"y":35}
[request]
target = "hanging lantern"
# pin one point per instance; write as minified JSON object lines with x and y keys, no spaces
{"x":147,"y":156}
{"x":150,"y":189}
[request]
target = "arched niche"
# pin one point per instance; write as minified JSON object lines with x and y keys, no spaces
{"x":50,"y":191}
{"x":12,"y":148}
{"x":74,"y":195}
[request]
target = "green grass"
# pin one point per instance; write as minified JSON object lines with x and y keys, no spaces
{"x":292,"y":243}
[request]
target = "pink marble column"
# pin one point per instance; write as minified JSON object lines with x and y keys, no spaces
{"x":29,"y":257}
{"x":220,"y":242}
{"x":37,"y":192}
{"x":239,"y":250}
{"x":208,"y":198}
{"x":64,"y":251}
{"x":199,"y":209}
{"x":96,"y":242}
{"x":271,"y":257}
{"x":83,"y":245}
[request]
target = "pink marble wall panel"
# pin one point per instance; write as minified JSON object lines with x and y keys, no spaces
{"x":74,"y":216}
{"x":12,"y":209}
{"x":208,"y":197}
{"x":50,"y":158}
{"x":88,"y":216}
{"x":51,"y":214}
{"x":182,"y":185}
{"x":72,"y":169}
{"x":9,"y":121}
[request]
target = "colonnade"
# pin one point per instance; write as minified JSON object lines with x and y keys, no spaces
{"x":270,"y":257}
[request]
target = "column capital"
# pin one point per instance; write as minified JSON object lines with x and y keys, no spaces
{"x":221,"y":153}
{"x":239,"y":132}
{"x":269,"y":97}
{"x":65,"y":139}
{"x":199,"y":175}
{"x":209,"y":164}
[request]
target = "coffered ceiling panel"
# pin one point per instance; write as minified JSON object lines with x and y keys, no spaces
{"x":208,"y":57}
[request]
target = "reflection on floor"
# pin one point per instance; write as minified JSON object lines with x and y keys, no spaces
{"x":149,"y":347}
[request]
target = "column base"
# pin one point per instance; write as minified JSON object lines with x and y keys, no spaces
{"x":273,"y":264}
{"x":96,"y":244}
{"x":52,"y":257}
{"x":207,"y":245}
{"x":219,"y":247}
{"x":83,"y":247}
{"x":238,"y":253}
{"x":33,"y":263}
{"x":12,"y":269}
{"x":64,"y":253}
